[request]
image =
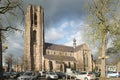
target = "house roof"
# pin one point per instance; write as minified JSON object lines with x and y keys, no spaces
{"x":58,"y":58}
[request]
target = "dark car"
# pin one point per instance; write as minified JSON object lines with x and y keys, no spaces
{"x":61,"y":75}
{"x":14,"y":75}
{"x":97,"y":74}
{"x":6,"y":75}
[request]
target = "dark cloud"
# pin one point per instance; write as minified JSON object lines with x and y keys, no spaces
{"x":57,"y":10}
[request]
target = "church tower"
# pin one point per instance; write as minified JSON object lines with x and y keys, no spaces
{"x":34,"y":38}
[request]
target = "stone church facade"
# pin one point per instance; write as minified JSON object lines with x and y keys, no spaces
{"x":42,"y":56}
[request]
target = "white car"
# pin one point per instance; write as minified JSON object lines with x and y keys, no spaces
{"x":86,"y":76}
{"x":51,"y":75}
{"x":42,"y":73}
{"x":112,"y":74}
{"x":29,"y":75}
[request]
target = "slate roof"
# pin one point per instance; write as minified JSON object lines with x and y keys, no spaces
{"x":58,"y":47}
{"x":58,"y":58}
{"x":63,"y":48}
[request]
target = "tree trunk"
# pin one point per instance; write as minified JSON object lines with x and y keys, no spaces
{"x":1,"y":67}
{"x":103,"y":60}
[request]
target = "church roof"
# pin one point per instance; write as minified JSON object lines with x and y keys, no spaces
{"x":63,"y":48}
{"x":58,"y":58}
{"x":58,"y":47}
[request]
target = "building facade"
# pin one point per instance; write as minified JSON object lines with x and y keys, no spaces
{"x":42,"y":56}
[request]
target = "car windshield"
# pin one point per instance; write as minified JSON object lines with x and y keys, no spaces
{"x":112,"y":72}
{"x":83,"y":72}
{"x":52,"y":73}
{"x":29,"y":74}
{"x":90,"y":72}
{"x":86,"y":72}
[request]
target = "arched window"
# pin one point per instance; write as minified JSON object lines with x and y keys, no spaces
{"x":34,"y":36}
{"x":69,"y":65}
{"x":85,"y":60}
{"x":35,"y":18}
{"x":50,"y":66}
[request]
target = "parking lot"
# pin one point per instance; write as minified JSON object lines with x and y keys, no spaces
{"x":74,"y":79}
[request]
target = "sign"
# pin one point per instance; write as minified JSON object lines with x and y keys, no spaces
{"x":111,"y":68}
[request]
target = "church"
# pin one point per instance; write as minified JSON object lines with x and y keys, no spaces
{"x":43,"y":56}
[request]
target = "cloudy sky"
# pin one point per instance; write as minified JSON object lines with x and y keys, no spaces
{"x":64,"y":21}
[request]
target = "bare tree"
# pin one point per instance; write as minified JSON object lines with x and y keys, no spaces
{"x":6,"y":7}
{"x":103,"y":24}
{"x":9,"y":60}
{"x":19,"y":63}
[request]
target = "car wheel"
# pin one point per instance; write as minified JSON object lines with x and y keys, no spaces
{"x":85,"y":78}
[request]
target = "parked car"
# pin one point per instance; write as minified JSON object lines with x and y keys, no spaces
{"x":86,"y":76}
{"x":72,"y":74}
{"x":51,"y":75}
{"x":112,"y":74}
{"x":97,"y":74}
{"x":118,"y":74}
{"x":6,"y":75}
{"x":42,"y":73}
{"x":61,"y":75}
{"x":29,"y":75}
{"x":14,"y":75}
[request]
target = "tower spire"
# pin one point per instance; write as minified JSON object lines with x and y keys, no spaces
{"x":74,"y":43}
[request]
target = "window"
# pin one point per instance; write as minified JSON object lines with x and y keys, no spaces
{"x":85,"y":58}
{"x":70,"y":54}
{"x":34,"y":36}
{"x":65,"y":54}
{"x":35,"y":18}
{"x":54,"y":53}
{"x":31,"y":15}
{"x":47,"y":52}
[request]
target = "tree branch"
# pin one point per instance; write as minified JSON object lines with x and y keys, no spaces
{"x":8,"y":28}
{"x":9,"y":6}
